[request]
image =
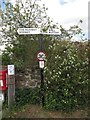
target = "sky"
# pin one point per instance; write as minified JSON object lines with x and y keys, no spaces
{"x":67,"y":12}
{"x":1,"y":3}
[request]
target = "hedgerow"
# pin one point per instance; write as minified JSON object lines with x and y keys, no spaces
{"x":66,"y":76}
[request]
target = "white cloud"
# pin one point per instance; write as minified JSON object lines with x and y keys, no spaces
{"x":70,"y":13}
{"x":13,"y":1}
{"x":65,"y":1}
{"x":68,"y":1}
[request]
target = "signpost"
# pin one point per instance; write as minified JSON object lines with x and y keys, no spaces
{"x":24,"y":31}
{"x":40,"y":55}
{"x":33,"y":31}
{"x":52,"y":32}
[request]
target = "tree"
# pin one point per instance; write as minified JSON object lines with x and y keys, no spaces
{"x":27,"y":14}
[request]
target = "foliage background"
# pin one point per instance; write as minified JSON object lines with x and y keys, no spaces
{"x":66,"y":75}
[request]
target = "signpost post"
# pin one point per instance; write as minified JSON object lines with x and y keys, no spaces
{"x":41,"y":55}
{"x":11,"y":85}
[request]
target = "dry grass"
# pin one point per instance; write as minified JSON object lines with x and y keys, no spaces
{"x":36,"y":111}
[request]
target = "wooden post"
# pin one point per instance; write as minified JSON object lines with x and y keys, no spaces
{"x":11,"y":91}
{"x":11,"y":88}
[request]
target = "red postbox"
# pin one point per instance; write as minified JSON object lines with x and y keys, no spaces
{"x":3,"y":85}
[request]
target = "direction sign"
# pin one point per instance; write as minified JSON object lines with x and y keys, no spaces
{"x":52,"y":32}
{"x":41,"y":56}
{"x":27,"y":31}
{"x":22,"y":31}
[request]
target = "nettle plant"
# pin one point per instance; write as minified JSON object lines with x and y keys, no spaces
{"x":66,"y":75}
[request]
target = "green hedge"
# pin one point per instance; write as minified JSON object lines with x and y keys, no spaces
{"x":27,"y":95}
{"x":66,"y":74}
{"x":24,"y":96}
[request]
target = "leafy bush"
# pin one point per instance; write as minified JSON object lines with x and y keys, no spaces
{"x":23,"y":54}
{"x":66,"y":75}
{"x":25,"y":96}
